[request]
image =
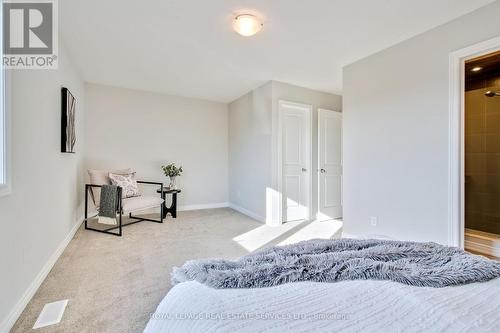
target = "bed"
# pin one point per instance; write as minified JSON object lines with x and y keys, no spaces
{"x":347,"y":306}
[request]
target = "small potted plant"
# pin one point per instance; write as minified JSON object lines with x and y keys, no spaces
{"x":172,"y":172}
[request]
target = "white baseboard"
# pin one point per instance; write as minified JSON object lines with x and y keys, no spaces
{"x":346,"y":235}
{"x":12,"y":317}
{"x":186,"y":208}
{"x":367,"y":236}
{"x":203,"y":206}
{"x":246,"y":212}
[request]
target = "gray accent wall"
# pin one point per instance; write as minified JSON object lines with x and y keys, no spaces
{"x":46,"y":201}
{"x":143,"y":131}
{"x":249,"y":167}
{"x":396,"y":130}
{"x":253,"y":119}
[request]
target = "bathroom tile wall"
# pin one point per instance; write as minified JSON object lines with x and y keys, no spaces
{"x":482,"y":155}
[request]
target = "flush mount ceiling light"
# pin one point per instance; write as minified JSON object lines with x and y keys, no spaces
{"x":247,"y":25}
{"x":476,"y":69}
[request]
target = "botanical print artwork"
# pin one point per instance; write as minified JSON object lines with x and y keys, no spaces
{"x":68,"y":133}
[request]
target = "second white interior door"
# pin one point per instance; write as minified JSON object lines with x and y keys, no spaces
{"x":296,"y":157}
{"x":330,"y":164}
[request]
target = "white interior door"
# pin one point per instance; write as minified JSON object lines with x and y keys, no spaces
{"x":330,"y":164}
{"x":296,"y":158}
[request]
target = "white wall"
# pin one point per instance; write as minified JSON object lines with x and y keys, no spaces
{"x":396,"y":132}
{"x":47,"y":185}
{"x":252,"y":146}
{"x":143,"y":131}
{"x":250,"y":132}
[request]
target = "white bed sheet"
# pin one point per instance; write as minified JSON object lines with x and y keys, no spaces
{"x":349,"y":306}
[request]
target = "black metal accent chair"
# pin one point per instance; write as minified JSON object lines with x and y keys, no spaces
{"x":125,"y":205}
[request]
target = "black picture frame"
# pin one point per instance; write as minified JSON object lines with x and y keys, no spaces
{"x":68,"y":114}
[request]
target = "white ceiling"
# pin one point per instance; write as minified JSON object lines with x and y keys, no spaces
{"x":188,"y":47}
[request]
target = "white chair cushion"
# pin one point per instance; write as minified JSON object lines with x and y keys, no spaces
{"x":98,"y":177}
{"x":141,"y":203}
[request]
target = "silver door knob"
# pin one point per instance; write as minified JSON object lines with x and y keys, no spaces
{"x":304,"y":169}
{"x":323,"y":170}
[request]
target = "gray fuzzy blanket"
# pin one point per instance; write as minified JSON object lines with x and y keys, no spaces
{"x":332,"y":260}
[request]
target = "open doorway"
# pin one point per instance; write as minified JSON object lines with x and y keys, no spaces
{"x":482,"y":155}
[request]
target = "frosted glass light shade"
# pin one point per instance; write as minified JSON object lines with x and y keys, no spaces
{"x":247,"y":25}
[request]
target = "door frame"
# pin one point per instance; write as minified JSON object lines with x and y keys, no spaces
{"x":341,"y":160}
{"x":456,"y":147}
{"x":308,"y":109}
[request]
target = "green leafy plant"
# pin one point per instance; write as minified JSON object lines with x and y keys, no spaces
{"x":171,"y":170}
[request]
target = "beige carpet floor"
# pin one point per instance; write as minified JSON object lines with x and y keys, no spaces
{"x":114,"y":283}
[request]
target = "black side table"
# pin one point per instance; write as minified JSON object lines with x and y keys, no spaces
{"x":173,"y":207}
